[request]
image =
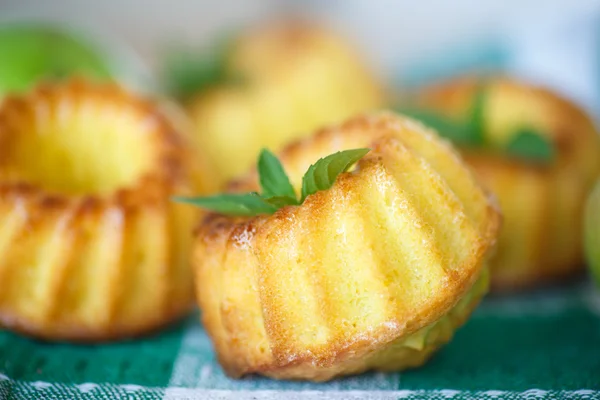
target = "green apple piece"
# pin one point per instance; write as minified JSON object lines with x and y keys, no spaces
{"x":592,"y":233}
{"x":30,"y":53}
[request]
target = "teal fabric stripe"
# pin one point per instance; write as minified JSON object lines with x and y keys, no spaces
{"x":147,"y":361}
{"x":539,"y":345}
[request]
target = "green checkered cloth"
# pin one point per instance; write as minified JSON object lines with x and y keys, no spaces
{"x":541,"y":345}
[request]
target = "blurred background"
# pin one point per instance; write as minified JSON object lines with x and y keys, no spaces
{"x":555,"y":42}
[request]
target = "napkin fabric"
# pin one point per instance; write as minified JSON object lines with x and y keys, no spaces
{"x":542,"y":345}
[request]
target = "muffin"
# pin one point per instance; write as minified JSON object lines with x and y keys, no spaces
{"x":91,"y":247}
{"x":286,"y":79}
{"x":374,"y":273}
{"x":592,"y":233}
{"x":541,"y":199}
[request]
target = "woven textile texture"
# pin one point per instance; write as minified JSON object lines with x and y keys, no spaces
{"x":541,"y":345}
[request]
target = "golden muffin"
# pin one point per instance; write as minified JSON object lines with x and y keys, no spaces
{"x":541,"y":200}
{"x":91,"y":247}
{"x":375,"y":272}
{"x":287,"y":79}
{"x":592,"y":232}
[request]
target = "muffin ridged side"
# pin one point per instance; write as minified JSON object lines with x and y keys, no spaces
{"x":339,"y":284}
{"x":86,"y":254}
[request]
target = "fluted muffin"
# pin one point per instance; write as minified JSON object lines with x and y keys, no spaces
{"x":374,"y":273}
{"x":288,"y":79}
{"x":542,"y":202}
{"x":91,"y":247}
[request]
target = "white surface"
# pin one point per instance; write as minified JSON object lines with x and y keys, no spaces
{"x":555,"y":42}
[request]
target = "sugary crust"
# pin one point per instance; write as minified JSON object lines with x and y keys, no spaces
{"x":554,"y":194}
{"x":66,"y":225}
{"x":280,"y":357}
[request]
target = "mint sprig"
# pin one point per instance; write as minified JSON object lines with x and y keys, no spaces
{"x":277,"y":189}
{"x":187,"y":72}
{"x":526,"y":144}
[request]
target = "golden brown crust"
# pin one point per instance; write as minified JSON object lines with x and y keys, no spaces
{"x":402,"y":355}
{"x":167,"y":171}
{"x":79,"y":334}
{"x":258,"y":248}
{"x":86,"y":253}
{"x":541,"y":241}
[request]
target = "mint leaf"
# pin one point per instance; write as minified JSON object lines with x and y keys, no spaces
{"x":476,"y":120}
{"x":248,"y":204}
{"x":187,"y":72}
{"x":456,"y":131}
{"x":529,"y":145}
{"x":273,"y":179}
{"x":322,"y":174}
{"x":282,"y":201}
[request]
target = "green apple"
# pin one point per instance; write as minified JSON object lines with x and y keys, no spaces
{"x":592,"y":233}
{"x":29,"y":53}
